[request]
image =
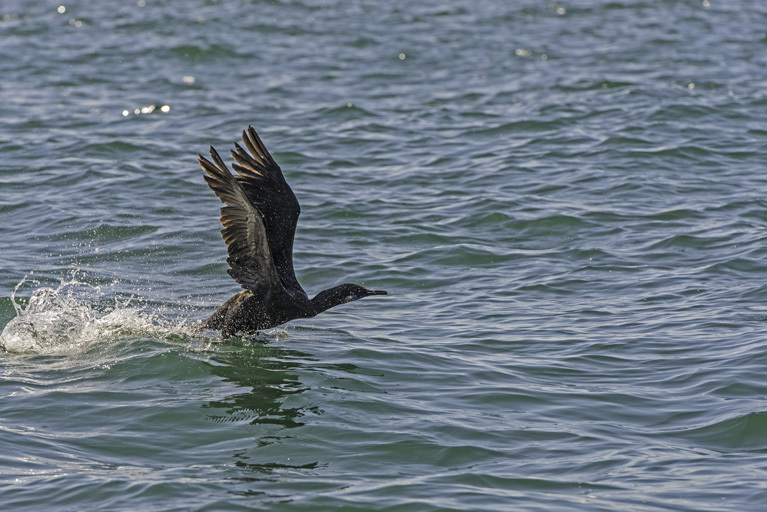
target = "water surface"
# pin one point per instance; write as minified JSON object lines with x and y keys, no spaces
{"x":566,"y":203}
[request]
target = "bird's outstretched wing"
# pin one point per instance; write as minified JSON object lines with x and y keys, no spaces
{"x":244,"y":230}
{"x":263,"y":182}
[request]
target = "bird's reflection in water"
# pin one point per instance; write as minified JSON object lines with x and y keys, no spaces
{"x":266,"y":372}
{"x":267,"y":376}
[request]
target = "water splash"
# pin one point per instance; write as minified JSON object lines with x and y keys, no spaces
{"x":65,"y":320}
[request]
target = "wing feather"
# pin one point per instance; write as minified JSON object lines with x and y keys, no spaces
{"x":264,"y":184}
{"x":244,"y":230}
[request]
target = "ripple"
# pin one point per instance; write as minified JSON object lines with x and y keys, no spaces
{"x":744,"y":432}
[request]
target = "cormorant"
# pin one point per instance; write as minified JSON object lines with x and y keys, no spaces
{"x":259,"y":219}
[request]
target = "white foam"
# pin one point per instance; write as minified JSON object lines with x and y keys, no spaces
{"x":65,"y":320}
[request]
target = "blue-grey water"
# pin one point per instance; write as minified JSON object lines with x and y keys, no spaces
{"x":567,"y":202}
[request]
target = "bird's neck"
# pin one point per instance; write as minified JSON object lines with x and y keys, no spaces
{"x":329,"y":298}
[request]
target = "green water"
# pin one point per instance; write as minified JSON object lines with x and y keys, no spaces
{"x":565,"y":202}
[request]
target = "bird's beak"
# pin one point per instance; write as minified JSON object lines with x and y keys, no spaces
{"x":377,"y":292}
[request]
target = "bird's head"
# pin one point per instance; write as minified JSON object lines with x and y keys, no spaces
{"x":355,"y":292}
{"x":340,"y":294}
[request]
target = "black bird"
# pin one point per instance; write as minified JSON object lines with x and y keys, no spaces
{"x":259,"y":218}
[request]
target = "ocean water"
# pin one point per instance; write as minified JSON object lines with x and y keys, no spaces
{"x":566,"y":201}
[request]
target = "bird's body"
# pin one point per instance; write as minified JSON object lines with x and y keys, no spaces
{"x":259,"y":219}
